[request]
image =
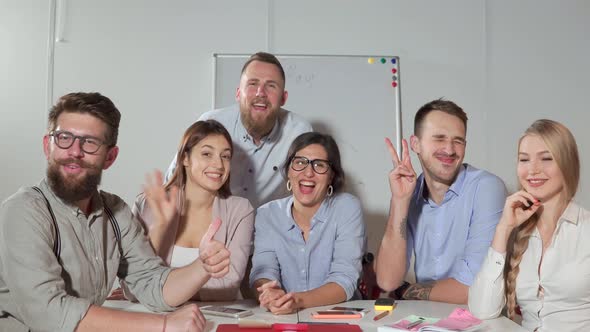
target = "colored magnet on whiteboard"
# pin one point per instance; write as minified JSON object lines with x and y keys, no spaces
{"x":394,"y":78}
{"x":393,"y":60}
{"x":394,"y":84}
{"x":383,"y":60}
{"x":393,"y":70}
{"x":371,"y":61}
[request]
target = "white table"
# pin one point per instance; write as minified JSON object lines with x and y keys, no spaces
{"x":403,"y":309}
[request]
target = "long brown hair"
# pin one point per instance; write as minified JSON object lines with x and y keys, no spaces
{"x":192,"y":136}
{"x":563,"y":147}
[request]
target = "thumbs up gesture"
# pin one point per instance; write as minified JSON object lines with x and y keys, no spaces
{"x":212,"y":253}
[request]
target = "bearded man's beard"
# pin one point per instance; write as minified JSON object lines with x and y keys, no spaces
{"x":259,"y":127}
{"x":69,"y":189}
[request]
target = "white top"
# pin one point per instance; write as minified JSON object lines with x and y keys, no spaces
{"x":183,"y":256}
{"x":563,"y":304}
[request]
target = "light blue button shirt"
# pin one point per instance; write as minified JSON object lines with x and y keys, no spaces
{"x":451,"y":240}
{"x":332,"y":253}
{"x":256,"y":170}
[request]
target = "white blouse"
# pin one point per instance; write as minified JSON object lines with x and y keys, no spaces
{"x":183,"y":256}
{"x":555,"y":299}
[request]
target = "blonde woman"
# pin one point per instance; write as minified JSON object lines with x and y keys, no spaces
{"x":539,"y":260}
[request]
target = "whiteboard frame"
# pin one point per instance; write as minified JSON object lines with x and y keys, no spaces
{"x":397,"y":90}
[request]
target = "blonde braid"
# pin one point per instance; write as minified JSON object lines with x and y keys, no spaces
{"x":517,"y":245}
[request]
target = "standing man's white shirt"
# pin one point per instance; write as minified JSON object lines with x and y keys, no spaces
{"x":256,"y":169}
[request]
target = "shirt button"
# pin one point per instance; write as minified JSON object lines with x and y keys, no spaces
{"x":302,"y":271}
{"x":245,"y":189}
{"x":302,"y":249}
{"x":250,"y":170}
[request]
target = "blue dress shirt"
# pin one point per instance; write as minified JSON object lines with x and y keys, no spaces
{"x":332,"y":253}
{"x":451,"y":240}
{"x":256,"y":169}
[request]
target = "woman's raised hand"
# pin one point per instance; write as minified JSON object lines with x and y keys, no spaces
{"x":162,"y":203}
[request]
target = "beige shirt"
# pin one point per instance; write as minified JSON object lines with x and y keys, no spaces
{"x":237,"y":227}
{"x":40,"y":294}
{"x":555,"y":299}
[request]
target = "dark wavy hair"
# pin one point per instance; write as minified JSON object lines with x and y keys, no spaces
{"x":328,"y":143}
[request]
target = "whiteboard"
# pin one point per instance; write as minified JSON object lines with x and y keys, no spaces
{"x":355,"y":101}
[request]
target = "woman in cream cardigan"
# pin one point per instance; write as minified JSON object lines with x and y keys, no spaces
{"x":196,"y":217}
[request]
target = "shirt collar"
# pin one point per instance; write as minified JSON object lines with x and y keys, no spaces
{"x":321,"y":214}
{"x":455,"y":188}
{"x":96,"y":201}
{"x":245,"y":136}
{"x":571,"y":213}
{"x":457,"y":185}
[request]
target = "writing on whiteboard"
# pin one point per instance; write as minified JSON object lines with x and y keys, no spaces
{"x":299,"y":77}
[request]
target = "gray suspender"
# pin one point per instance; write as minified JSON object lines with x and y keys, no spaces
{"x":57,"y":243}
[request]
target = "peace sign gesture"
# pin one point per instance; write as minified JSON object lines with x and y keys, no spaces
{"x":402,"y":179}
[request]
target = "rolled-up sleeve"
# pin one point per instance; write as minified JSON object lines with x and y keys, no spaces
{"x":487,"y":209}
{"x":142,"y":270}
{"x":30,"y":271}
{"x":486,"y":295}
{"x":346,"y":263}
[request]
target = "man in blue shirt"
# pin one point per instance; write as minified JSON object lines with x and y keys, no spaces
{"x":446,"y":218}
{"x":261,"y":130}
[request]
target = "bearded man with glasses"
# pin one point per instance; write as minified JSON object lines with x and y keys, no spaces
{"x":63,"y":242}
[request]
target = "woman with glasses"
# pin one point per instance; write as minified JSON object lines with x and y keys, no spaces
{"x":193,"y":216}
{"x":538,"y":262}
{"x":308,"y":246}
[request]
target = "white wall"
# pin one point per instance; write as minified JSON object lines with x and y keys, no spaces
{"x":511,"y":63}
{"x":23,"y":74}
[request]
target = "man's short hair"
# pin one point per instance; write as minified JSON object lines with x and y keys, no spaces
{"x":92,"y":103}
{"x":441,"y":105}
{"x":265,"y":57}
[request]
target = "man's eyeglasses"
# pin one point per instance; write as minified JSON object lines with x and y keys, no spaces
{"x":65,"y":139}
{"x":319,"y":166}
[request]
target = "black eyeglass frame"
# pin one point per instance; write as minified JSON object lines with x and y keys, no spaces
{"x":82,"y":139}
{"x":312,"y":162}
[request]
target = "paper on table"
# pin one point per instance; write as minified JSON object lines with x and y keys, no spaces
{"x":460,"y":319}
{"x":402,"y":325}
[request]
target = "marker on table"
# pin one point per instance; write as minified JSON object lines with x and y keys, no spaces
{"x":416,"y":323}
{"x":381,"y":315}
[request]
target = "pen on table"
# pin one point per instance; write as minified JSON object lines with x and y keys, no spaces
{"x":416,"y":323}
{"x":381,"y":315}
